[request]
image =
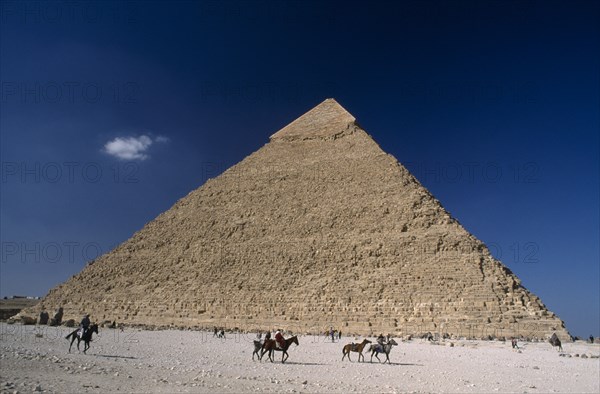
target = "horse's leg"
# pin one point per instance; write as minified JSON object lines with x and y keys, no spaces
{"x":387,"y":358}
{"x":257,"y":352}
{"x":284,"y":356}
{"x":372,"y":352}
{"x":361,"y":355}
{"x":377,"y":356}
{"x":344,"y":354}
{"x":269,"y":354}
{"x":72,"y":340}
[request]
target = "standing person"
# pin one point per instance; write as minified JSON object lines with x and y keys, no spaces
{"x":216,"y":332}
{"x":340,"y":334}
{"x":331,"y":332}
{"x":591,"y":339}
{"x":514,"y":343}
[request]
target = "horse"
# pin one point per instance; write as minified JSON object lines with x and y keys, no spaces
{"x":355,"y":347}
{"x":270,"y":345}
{"x":554,"y":341}
{"x":386,"y":348}
{"x":86,"y":337}
{"x":257,"y":346}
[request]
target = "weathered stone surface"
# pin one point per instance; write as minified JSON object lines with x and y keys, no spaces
{"x":44,"y":317}
{"x":57,"y":319}
{"x":318,"y":228}
{"x":326,"y":121}
{"x":23,"y":319}
{"x":69,"y":323}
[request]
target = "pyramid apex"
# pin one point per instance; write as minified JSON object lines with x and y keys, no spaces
{"x":326,"y":120}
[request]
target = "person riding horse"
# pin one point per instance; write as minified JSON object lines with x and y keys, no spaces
{"x":84,"y":325}
{"x":279,"y":339}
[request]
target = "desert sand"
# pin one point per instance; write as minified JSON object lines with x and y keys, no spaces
{"x":36,"y":359}
{"x":12,"y":306}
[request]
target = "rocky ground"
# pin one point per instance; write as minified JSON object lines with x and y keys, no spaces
{"x":35,"y":359}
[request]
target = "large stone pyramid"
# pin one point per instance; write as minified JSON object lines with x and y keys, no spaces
{"x":318,"y":228}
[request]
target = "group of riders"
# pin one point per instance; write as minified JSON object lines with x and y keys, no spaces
{"x":383,"y":340}
{"x":279,"y":339}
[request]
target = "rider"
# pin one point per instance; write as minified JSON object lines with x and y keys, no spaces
{"x":381,"y":339}
{"x":85,"y":324}
{"x":279,"y":339}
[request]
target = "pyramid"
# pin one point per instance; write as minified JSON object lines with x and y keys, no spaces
{"x":318,"y":228}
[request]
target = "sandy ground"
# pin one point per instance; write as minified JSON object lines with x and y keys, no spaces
{"x":193,"y":361}
{"x":13,"y":306}
{"x":17,"y":303}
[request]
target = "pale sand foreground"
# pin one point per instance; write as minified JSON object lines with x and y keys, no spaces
{"x":193,"y":361}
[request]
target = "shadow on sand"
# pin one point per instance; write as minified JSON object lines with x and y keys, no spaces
{"x":404,"y":364}
{"x":298,"y":363}
{"x":111,"y":356}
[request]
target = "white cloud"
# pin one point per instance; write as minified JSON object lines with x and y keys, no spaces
{"x":162,"y":139}
{"x":129,"y":148}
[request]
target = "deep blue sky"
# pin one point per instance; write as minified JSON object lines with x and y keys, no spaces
{"x":493,"y":105}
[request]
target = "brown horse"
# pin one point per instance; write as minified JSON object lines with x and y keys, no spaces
{"x":355,"y":347}
{"x":270,"y":346}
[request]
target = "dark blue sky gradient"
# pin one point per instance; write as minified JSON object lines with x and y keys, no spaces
{"x":493,"y":105}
